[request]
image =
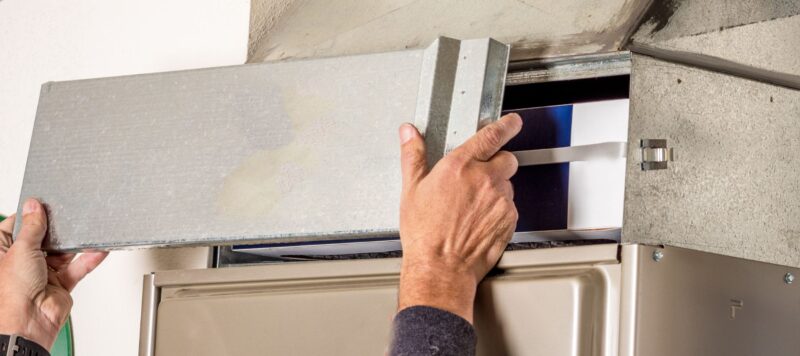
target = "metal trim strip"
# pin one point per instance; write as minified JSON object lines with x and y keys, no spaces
{"x":147,"y":326}
{"x":591,"y":254}
{"x":717,"y":64}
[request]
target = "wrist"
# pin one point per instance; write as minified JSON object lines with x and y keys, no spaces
{"x":440,"y":287}
{"x":17,"y":321}
{"x":20,"y":345}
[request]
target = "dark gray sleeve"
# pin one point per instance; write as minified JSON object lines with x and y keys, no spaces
{"x":422,"y":330}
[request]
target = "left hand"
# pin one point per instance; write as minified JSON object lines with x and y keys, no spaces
{"x":34,"y":288}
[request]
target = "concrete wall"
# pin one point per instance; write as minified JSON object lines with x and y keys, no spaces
{"x":50,"y":40}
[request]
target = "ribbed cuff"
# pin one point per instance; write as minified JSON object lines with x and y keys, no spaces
{"x":422,"y":330}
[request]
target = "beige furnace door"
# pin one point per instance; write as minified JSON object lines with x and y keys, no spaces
{"x":561,"y":301}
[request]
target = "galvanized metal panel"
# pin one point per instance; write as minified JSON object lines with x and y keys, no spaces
{"x":733,"y":186}
{"x":282,"y":152}
{"x":754,"y":39}
{"x":771,"y":45}
{"x":569,"y":68}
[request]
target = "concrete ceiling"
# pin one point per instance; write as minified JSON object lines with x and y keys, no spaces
{"x":283,"y":29}
{"x":758,"y":33}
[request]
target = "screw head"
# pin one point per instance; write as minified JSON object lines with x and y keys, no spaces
{"x":788,"y":278}
{"x":658,"y":255}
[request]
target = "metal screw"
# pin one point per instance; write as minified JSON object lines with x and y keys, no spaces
{"x":788,"y":278}
{"x":658,"y":255}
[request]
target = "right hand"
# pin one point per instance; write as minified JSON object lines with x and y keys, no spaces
{"x":457,"y":218}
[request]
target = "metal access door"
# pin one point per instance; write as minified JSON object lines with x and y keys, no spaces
{"x":290,"y":151}
{"x":558,"y":301}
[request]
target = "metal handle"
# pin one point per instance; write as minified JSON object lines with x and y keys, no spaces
{"x":593,"y":152}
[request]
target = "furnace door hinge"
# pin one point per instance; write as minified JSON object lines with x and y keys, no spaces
{"x":655,"y":154}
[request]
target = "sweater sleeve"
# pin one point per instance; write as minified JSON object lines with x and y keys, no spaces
{"x":422,"y":330}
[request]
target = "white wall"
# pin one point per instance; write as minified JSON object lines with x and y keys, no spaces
{"x":51,"y":40}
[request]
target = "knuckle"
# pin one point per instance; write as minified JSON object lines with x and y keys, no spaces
{"x":510,"y":158}
{"x":487,"y":183}
{"x":492,"y":135}
{"x":454,"y":164}
{"x":33,"y":222}
{"x":411,"y":152}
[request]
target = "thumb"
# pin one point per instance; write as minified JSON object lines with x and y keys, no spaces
{"x":412,"y":155}
{"x":34,"y":226}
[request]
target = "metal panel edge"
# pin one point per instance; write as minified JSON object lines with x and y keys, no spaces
{"x":478,"y":89}
{"x":569,"y":68}
{"x":591,"y":254}
{"x":717,"y":64}
{"x":439,"y":65}
{"x":147,"y":327}
{"x":629,"y":256}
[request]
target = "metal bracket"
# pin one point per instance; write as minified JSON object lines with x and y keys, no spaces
{"x":591,"y":152}
{"x":655,"y":154}
{"x":12,"y":345}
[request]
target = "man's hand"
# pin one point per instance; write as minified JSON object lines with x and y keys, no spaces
{"x":34,"y":288}
{"x":456,"y":220}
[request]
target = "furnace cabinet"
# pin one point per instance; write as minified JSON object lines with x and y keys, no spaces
{"x":602,"y":299}
{"x":584,"y":294}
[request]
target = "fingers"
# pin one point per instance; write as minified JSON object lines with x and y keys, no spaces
{"x":57,"y":261}
{"x":79,"y":268}
{"x":7,"y":225}
{"x":6,"y":229}
{"x":488,"y":140}
{"x":412,"y":155}
{"x":34,"y":226}
{"x":503,"y":165}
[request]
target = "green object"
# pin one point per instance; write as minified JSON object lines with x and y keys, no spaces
{"x":64,"y":342}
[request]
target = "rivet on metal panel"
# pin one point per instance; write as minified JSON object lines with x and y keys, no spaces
{"x":658,"y":255}
{"x":655,"y":154}
{"x":788,"y":278}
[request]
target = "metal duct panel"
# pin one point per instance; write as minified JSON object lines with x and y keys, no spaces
{"x":669,"y":19}
{"x":732,"y":187}
{"x":293,"y":151}
{"x":754,"y":39}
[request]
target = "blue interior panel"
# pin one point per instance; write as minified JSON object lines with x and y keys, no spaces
{"x":541,"y":192}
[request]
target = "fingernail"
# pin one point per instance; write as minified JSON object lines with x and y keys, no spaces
{"x":406,"y":133}
{"x":30,"y":206}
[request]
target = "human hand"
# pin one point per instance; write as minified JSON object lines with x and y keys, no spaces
{"x":34,"y":288}
{"x":456,"y":220}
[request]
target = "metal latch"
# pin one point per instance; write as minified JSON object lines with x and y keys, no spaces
{"x":655,"y":154}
